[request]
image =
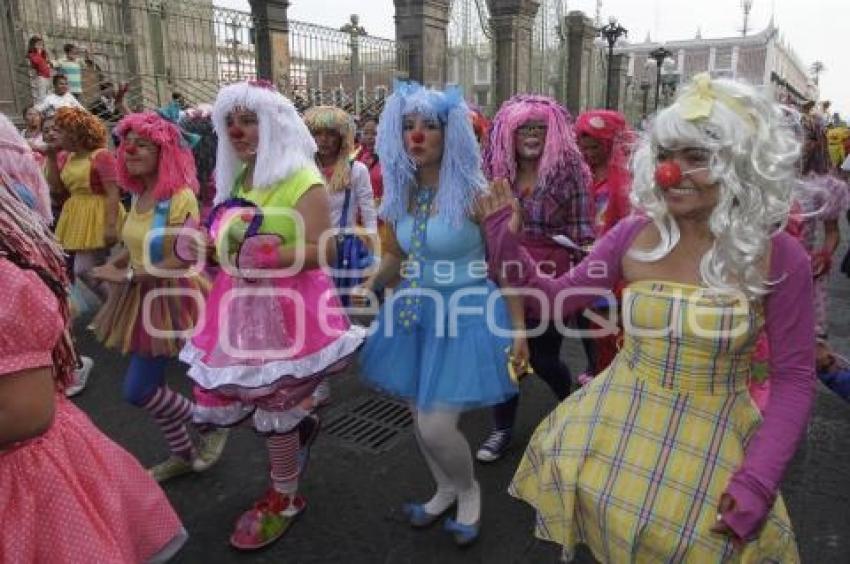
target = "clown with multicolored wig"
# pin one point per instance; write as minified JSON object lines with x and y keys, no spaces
{"x":68,"y":491}
{"x":664,"y":457}
{"x":154,"y":298}
{"x":274,"y":327}
{"x":533,"y":148}
{"x":421,"y":348}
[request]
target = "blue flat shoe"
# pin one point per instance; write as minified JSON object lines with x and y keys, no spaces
{"x":464,"y":535}
{"x":418,"y":517}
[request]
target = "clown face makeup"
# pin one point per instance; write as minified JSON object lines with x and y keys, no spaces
{"x":530,"y":140}
{"x":243,"y":130}
{"x":686,"y":181}
{"x":594,"y":151}
{"x":423,"y":140}
{"x":141,"y":155}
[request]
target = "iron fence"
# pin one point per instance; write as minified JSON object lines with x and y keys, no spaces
{"x":344,"y":67}
{"x":159,"y":47}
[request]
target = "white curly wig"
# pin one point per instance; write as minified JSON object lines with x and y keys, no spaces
{"x":285,"y":145}
{"x":754,"y":160}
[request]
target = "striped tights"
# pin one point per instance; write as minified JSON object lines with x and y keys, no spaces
{"x":283,"y":457}
{"x":172,"y":412}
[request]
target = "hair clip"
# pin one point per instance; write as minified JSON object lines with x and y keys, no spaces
{"x":596,"y":122}
{"x":263,"y":83}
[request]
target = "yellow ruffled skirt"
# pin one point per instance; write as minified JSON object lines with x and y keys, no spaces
{"x":82,"y":223}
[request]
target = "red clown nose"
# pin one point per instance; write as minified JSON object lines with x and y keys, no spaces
{"x":417,"y":137}
{"x":131,"y":149}
{"x":668,"y":174}
{"x":235,"y":133}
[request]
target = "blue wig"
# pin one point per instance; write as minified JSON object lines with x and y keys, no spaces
{"x":461,"y":179}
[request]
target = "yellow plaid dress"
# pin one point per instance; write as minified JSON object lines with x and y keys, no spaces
{"x":633,"y":464}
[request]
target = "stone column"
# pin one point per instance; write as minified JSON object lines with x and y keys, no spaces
{"x":272,"y":41}
{"x":580,"y":33}
{"x":422,"y":26}
{"x":512,"y":22}
{"x":736,"y":52}
{"x":621,"y":71}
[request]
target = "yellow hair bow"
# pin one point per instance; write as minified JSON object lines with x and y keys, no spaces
{"x":698,"y":101}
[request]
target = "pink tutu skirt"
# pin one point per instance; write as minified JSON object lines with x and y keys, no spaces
{"x":72,"y":495}
{"x":264,"y":345}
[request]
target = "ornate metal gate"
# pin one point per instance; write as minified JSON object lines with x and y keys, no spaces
{"x":164,"y":46}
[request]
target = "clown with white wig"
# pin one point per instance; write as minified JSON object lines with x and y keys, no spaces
{"x":274,"y":327}
{"x":442,"y":339}
{"x":663,"y":457}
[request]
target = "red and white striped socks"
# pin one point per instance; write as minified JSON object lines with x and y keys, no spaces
{"x":172,"y":412}
{"x":283,"y":457}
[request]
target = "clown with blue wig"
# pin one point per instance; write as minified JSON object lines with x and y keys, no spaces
{"x":443,"y":337}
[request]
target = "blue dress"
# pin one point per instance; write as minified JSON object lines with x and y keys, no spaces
{"x":441,"y":339}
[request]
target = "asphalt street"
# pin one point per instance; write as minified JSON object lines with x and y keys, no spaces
{"x":354,"y":489}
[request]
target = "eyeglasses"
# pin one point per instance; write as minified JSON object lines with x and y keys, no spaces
{"x":532,"y":129}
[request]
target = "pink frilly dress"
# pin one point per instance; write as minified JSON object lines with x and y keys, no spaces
{"x":266,"y":343}
{"x":70,"y":494}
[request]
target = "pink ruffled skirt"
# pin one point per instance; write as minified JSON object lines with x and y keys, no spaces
{"x":264,"y":346}
{"x":72,"y":495}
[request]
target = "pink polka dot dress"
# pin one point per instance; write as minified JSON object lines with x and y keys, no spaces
{"x":71,"y":494}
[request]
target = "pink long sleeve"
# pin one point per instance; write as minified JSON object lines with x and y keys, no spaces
{"x":789,"y":323}
{"x":598,"y":273}
{"x":790,"y":333}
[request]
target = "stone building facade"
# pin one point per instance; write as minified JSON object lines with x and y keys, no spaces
{"x":762,"y":59}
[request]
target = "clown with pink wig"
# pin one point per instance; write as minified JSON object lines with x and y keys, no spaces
{"x":153,"y":295}
{"x":532,"y":147}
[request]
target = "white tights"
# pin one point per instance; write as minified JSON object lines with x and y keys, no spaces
{"x":449,"y":458}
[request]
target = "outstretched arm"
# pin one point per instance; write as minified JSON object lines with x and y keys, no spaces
{"x":597,"y":274}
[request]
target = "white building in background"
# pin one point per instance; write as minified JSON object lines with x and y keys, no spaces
{"x":762,"y":59}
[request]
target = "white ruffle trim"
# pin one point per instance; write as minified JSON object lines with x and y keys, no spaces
{"x":223,"y":415}
{"x":264,"y":421}
{"x":264,"y":375}
{"x":279,"y":421}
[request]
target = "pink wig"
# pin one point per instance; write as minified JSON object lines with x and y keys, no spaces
{"x":19,"y":169}
{"x":611,"y":129}
{"x":561,"y":161}
{"x":176,"y":162}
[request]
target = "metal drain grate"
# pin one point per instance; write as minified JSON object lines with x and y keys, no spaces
{"x":373,"y":424}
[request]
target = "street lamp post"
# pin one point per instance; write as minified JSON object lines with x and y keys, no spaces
{"x":669,"y":84}
{"x":644,"y":87}
{"x":611,"y":32}
{"x":658,"y":55}
{"x":355,"y":32}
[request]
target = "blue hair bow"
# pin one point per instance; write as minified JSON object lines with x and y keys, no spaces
{"x":171,"y":112}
